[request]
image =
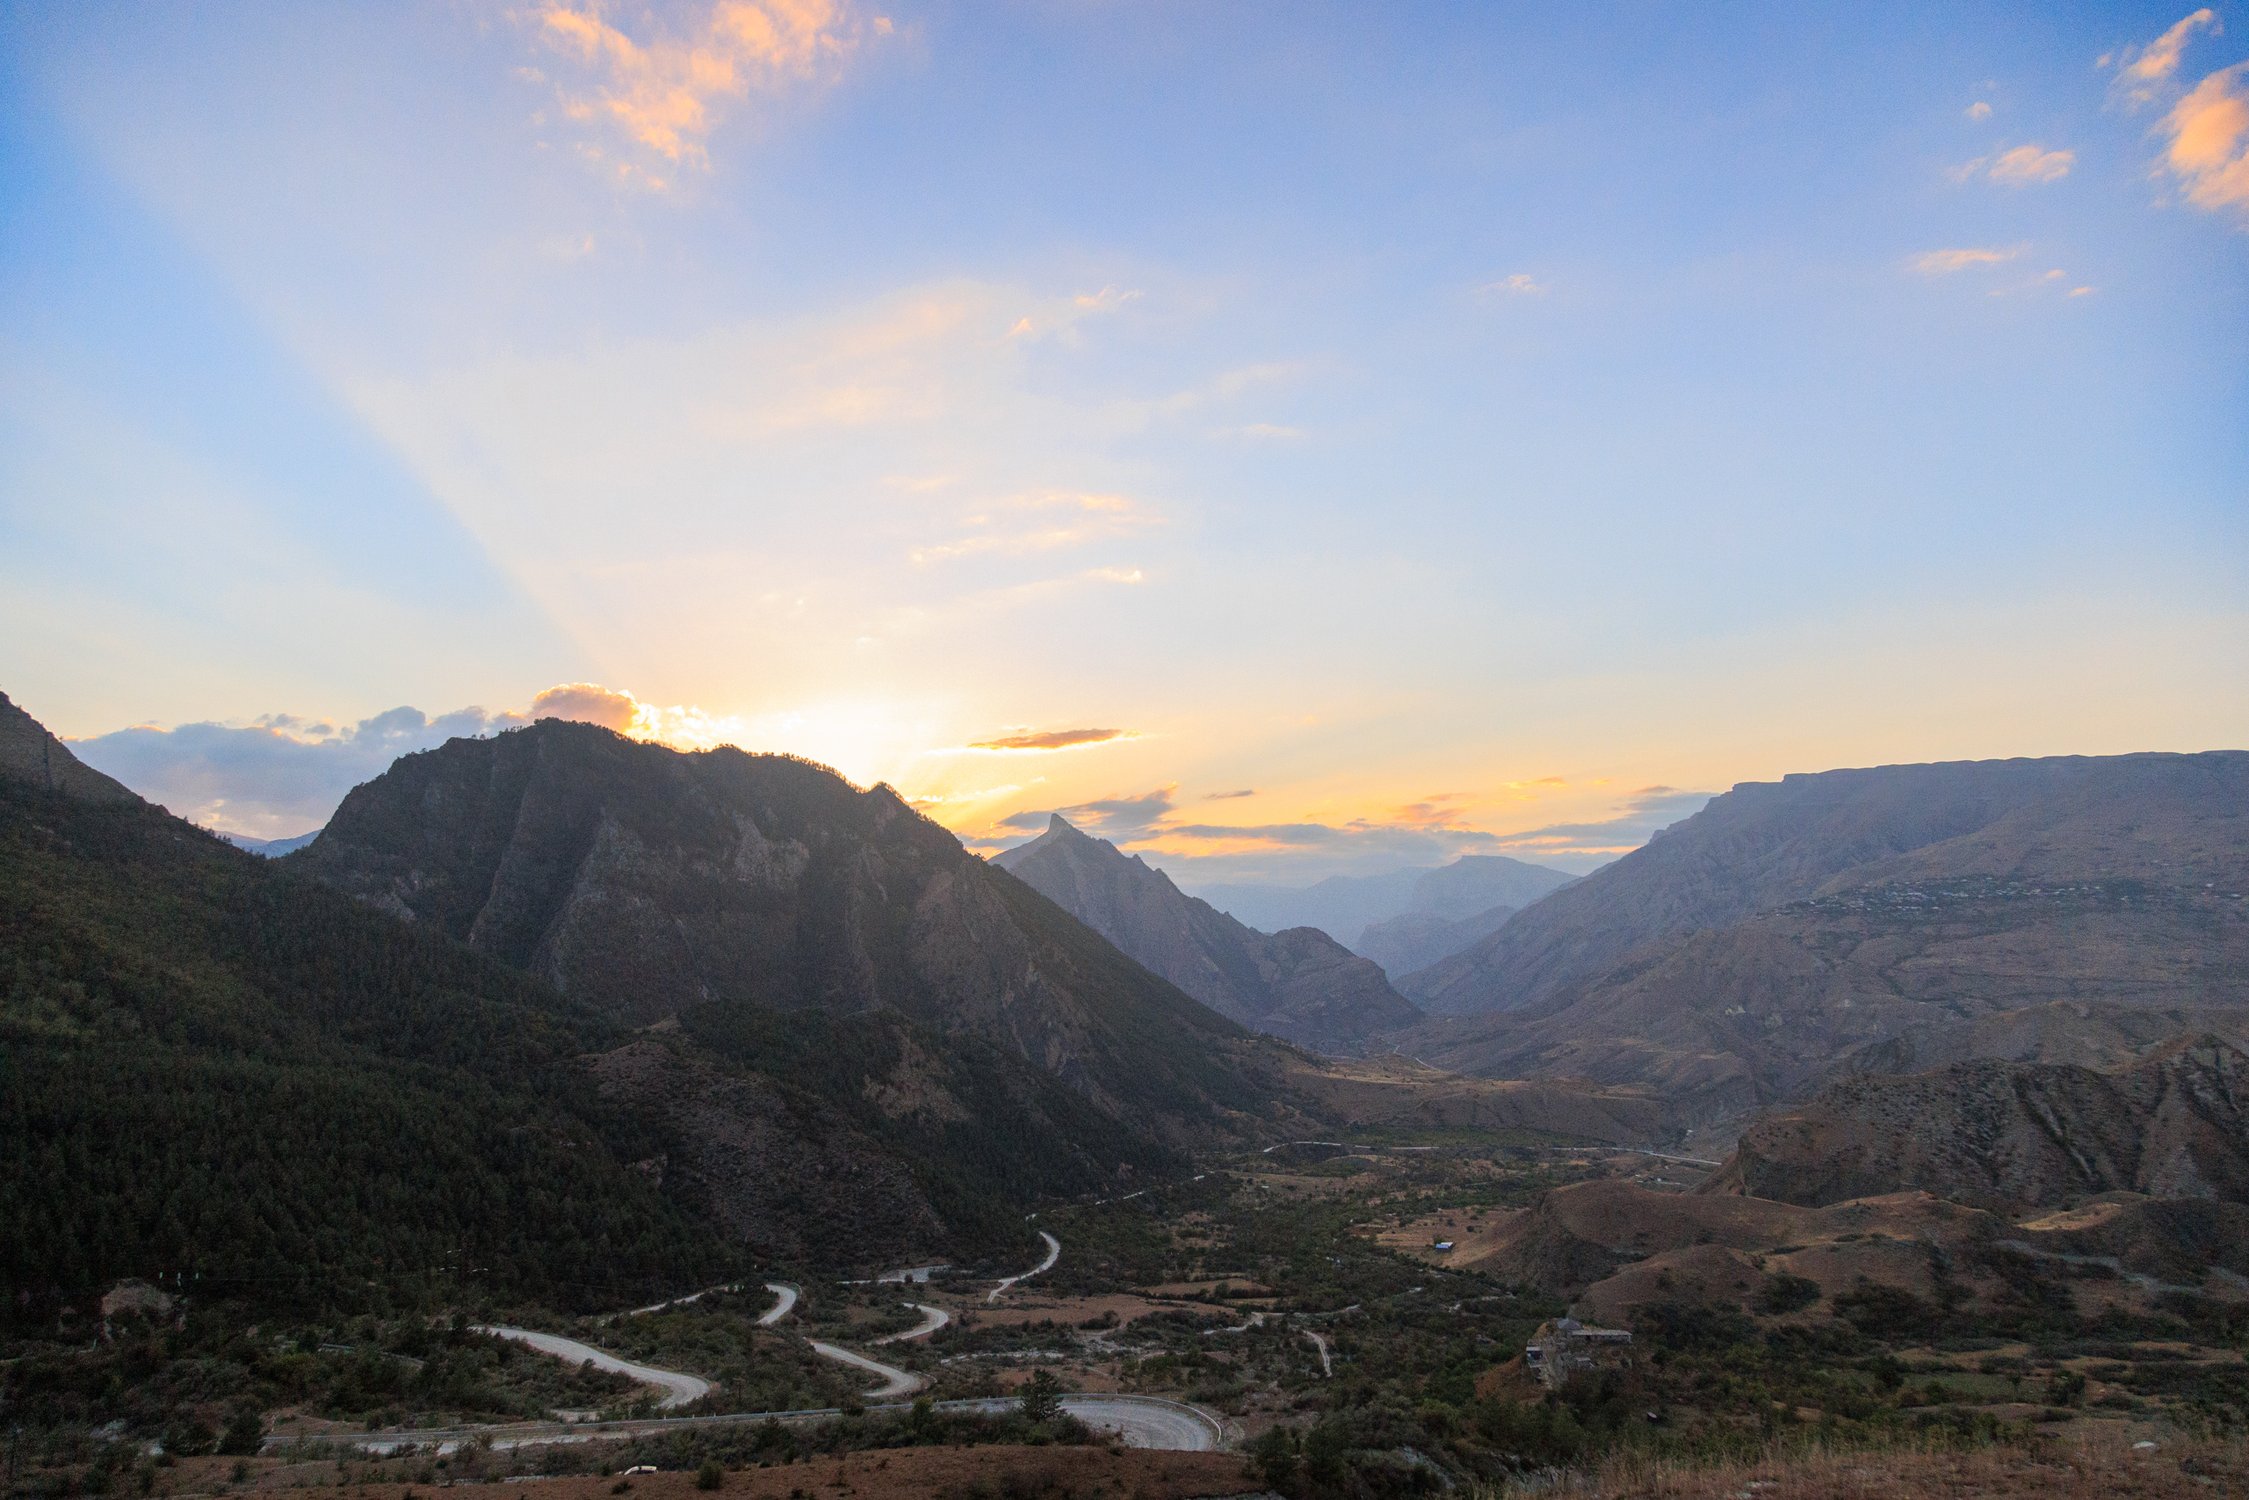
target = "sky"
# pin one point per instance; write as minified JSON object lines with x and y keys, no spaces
{"x":1289,"y":439}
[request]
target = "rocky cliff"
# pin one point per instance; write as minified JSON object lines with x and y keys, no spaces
{"x":2010,"y":1137}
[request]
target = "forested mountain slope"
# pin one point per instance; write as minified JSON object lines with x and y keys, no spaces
{"x":212,"y":1070}
{"x":1299,"y":984}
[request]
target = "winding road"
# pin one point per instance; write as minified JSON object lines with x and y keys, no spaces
{"x":1053,"y":1254}
{"x":1141,"y":1421}
{"x":1156,"y":1421}
{"x":895,"y":1382}
{"x":786,"y":1299}
{"x":932,"y":1319}
{"x":682,"y":1388}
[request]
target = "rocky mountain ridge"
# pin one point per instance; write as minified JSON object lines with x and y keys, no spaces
{"x":2011,"y":1136}
{"x":1299,"y":984}
{"x":2094,"y":908}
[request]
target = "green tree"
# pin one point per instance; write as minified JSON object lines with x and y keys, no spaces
{"x":1042,"y":1397}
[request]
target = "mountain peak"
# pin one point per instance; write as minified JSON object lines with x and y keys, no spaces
{"x":1301,"y":986}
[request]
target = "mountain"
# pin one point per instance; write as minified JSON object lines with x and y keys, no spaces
{"x":1340,"y":906}
{"x":758,"y":915}
{"x":1346,"y":906}
{"x":1790,"y":931}
{"x":1412,"y":942}
{"x":209,"y":1067}
{"x":1299,"y":984}
{"x":1453,"y":908}
{"x":2010,"y":1137}
{"x":270,"y":848}
{"x":28,"y":753}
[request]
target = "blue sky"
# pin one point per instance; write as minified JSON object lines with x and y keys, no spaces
{"x":1463,"y":428}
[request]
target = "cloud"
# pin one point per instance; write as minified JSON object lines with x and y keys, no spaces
{"x":2021,"y":166}
{"x":1025,"y":524}
{"x":1118,"y":819}
{"x":2142,"y":71}
{"x":277,"y":776}
{"x":663,"y":92}
{"x":1053,"y":739}
{"x":1263,"y":432}
{"x":283,"y":774}
{"x":1060,"y":319}
{"x":588,"y":703}
{"x":1946,"y":262}
{"x":2208,"y":145}
{"x":1247,"y":791}
{"x":1978,"y":111}
{"x":1521,"y":284}
{"x":1636,"y":820}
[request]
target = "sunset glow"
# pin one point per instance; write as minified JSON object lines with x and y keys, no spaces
{"x":1129,"y":411}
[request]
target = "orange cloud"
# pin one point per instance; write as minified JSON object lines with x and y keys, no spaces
{"x":661,"y":92}
{"x":1946,"y":262}
{"x":681,"y":726}
{"x":2209,"y":141}
{"x":2144,"y":69}
{"x":1052,"y":739}
{"x":2025,"y":165}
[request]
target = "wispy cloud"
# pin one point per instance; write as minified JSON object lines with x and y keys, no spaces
{"x":1947,"y":262}
{"x":2022,"y":166}
{"x":1980,"y":110}
{"x":1051,"y":739}
{"x":1521,"y":284}
{"x":1047,"y":521}
{"x":1634,"y":821}
{"x":663,"y":90}
{"x":2206,"y":129}
{"x":1247,"y":791}
{"x":2142,"y":71}
{"x":1061,"y":319}
{"x":1118,"y":819}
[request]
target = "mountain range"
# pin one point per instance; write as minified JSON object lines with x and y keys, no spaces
{"x":1403,"y":919}
{"x":1299,"y":984}
{"x":1862,"y":920}
{"x":788,"y":947}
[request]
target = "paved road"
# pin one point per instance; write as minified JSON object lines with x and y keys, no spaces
{"x":1142,"y":1421}
{"x":932,"y":1319}
{"x":895,"y":1382}
{"x":655,"y":1307}
{"x":1053,"y":1254}
{"x":682,"y":1388}
{"x":780,"y":1309}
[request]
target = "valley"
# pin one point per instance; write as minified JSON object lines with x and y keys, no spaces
{"x":575,"y":1107}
